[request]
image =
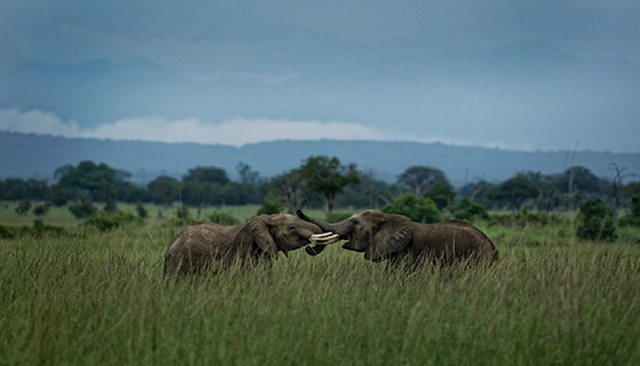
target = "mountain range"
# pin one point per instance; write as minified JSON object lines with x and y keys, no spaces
{"x":37,"y":156}
{"x":291,"y":72}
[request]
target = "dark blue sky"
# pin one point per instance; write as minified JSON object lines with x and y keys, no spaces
{"x":515,"y":74}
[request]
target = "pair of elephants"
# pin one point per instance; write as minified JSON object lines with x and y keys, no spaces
{"x":379,"y":235}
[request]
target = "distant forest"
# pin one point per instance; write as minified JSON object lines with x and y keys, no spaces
{"x":29,"y":156}
{"x":321,"y":181}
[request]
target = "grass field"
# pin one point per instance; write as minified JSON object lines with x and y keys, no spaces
{"x":99,"y":298}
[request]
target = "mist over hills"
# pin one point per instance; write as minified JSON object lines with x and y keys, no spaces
{"x":37,"y":156}
{"x":314,"y":76}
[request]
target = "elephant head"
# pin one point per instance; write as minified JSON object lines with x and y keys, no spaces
{"x":283,"y":232}
{"x":374,"y":233}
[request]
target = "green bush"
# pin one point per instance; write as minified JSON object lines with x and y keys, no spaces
{"x":112,"y":221}
{"x":270,"y":206}
{"x":142,"y":212}
{"x":182,"y":214}
{"x":633,"y":218}
{"x":7,"y":232}
{"x":23,"y":208}
{"x":38,"y":229}
{"x":525,"y":218}
{"x":421,"y":209}
{"x":595,"y":221}
{"x":41,"y":210}
{"x":467,"y":210}
{"x":223,"y":218}
{"x":82,"y":209}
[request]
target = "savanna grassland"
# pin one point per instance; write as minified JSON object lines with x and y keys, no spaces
{"x":93,"y":297}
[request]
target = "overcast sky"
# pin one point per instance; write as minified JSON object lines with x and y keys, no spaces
{"x":73,"y":31}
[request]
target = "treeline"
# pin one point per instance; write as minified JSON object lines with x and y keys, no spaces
{"x":321,"y":181}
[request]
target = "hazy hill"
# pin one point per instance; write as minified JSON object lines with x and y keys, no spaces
{"x":29,"y":155}
{"x":317,"y":76}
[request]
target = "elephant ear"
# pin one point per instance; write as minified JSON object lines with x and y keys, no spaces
{"x":260,"y":231}
{"x":390,"y":236}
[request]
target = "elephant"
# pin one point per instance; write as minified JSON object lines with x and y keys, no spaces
{"x":395,"y":238}
{"x":201,"y":243}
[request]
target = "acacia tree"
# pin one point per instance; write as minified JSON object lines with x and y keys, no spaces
{"x":328,"y":177}
{"x":418,"y":179}
{"x":207,"y":174}
{"x":617,"y":185}
{"x":515,"y":191}
{"x":289,"y":187}
{"x":163,"y":190}
{"x":424,"y":181}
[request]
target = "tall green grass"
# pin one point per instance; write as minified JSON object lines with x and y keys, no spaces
{"x":101,"y":299}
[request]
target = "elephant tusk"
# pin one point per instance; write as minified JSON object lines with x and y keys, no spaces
{"x":324,"y":238}
{"x":321,"y":236}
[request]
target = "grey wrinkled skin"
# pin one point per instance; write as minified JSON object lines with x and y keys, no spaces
{"x":395,"y":237}
{"x":201,"y":243}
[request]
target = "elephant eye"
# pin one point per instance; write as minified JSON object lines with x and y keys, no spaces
{"x":292,"y":227}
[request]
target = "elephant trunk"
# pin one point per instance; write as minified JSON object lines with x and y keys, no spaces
{"x":326,"y":227}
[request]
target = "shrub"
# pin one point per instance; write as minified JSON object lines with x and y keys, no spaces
{"x":595,"y":221}
{"x":112,"y":221}
{"x":7,"y":232}
{"x":38,"y":229}
{"x":23,"y":208}
{"x":182,"y":214}
{"x":41,"y":210}
{"x":525,"y":218}
{"x":270,"y":206}
{"x":142,"y":212}
{"x":468,"y":210}
{"x":421,"y":209}
{"x":223,"y":218}
{"x":82,"y":209}
{"x":633,"y":218}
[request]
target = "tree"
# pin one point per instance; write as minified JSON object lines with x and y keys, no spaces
{"x":247,"y":175}
{"x":418,"y":179}
{"x":515,"y":191}
{"x":369,"y":193}
{"x":595,"y":221}
{"x":633,"y":218}
{"x":87,"y":177}
{"x":617,"y":185}
{"x":270,"y":206}
{"x":207,"y":174}
{"x":163,"y":190}
{"x":441,"y":193}
{"x":42,"y":209}
{"x":467,"y":210}
{"x":578,"y":183}
{"x":328,"y":177}
{"x":61,"y":171}
{"x":197,"y":193}
{"x":234,"y":193}
{"x":289,"y":187}
{"x":477,"y":192}
{"x":23,"y":208}
{"x":418,"y":209}
{"x":107,"y":195}
{"x":142,"y":212}
{"x":13,"y":189}
{"x":82,"y":209}
{"x":424,"y":181}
